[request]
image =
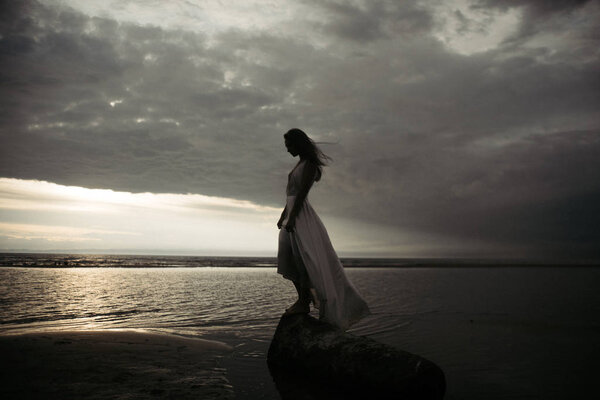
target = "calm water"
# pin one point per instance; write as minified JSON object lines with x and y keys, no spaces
{"x":497,"y":332}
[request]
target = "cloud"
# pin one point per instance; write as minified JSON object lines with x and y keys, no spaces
{"x":367,"y":21}
{"x":174,"y":104}
{"x":493,"y":145}
{"x":536,"y":8}
{"x":542,"y":17}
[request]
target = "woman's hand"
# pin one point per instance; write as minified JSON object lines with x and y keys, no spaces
{"x":282,"y":218}
{"x":291,"y":224}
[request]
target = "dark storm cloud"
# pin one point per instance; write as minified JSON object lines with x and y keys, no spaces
{"x":535,"y":8}
{"x":499,"y":146}
{"x":372,"y":20}
{"x":538,"y":15}
{"x":168,"y":92}
{"x":541,"y":190}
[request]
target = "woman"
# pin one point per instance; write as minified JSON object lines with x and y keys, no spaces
{"x":305,"y":255}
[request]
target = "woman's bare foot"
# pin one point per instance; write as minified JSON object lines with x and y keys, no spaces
{"x":299,"y":307}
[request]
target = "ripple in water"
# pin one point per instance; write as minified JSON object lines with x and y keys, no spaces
{"x":486,"y":327}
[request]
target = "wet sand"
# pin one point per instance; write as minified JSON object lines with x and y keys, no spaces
{"x":111,"y":364}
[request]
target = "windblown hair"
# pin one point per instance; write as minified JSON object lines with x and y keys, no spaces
{"x":308,"y":149}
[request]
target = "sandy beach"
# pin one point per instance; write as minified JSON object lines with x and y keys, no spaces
{"x":111,"y":364}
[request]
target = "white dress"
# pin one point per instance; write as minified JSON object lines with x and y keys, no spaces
{"x":307,"y":253}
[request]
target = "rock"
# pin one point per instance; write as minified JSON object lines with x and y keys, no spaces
{"x":355,"y":366}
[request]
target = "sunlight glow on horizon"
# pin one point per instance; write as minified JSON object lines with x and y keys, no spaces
{"x":53,"y":233}
{"x":33,"y":194}
{"x":39,"y":213}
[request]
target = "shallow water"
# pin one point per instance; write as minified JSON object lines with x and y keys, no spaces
{"x":497,"y":332}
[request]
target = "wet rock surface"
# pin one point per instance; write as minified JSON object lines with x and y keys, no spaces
{"x":335,"y":364}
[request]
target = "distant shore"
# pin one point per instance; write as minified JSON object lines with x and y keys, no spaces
{"x":109,"y":364}
{"x":70,"y":260}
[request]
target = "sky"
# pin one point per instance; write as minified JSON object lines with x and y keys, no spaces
{"x":466,"y":128}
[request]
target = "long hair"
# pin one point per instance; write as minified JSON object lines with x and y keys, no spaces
{"x":308,"y":149}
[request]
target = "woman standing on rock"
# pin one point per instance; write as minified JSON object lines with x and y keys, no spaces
{"x":305,"y":255}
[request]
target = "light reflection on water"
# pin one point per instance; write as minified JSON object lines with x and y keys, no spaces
{"x":193,"y":301}
{"x":488,"y":328}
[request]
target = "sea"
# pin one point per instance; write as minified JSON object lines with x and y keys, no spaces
{"x":498,"y":330}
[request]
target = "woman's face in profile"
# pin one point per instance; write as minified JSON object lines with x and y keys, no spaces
{"x":291,"y":148}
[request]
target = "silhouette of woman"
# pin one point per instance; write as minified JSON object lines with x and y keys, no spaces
{"x":305,"y":254}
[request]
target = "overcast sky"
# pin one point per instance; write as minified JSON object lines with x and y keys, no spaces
{"x":460,"y":128}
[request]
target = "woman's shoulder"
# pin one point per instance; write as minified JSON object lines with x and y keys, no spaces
{"x":308,"y":161}
{"x":310,"y":170}
{"x":309,"y":164}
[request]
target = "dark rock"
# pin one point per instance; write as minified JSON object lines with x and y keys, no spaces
{"x":356,"y":366}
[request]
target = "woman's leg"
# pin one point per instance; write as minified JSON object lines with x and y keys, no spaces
{"x":291,"y":267}
{"x":303,"y":293}
{"x":302,"y":305}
